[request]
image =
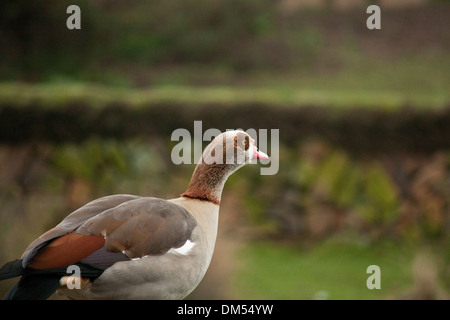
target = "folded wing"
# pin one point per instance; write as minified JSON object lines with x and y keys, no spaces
{"x":112,"y":229}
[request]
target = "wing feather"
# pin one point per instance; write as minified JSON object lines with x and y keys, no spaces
{"x":136,"y":226}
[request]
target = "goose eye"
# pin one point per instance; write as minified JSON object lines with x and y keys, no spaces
{"x":244,"y":142}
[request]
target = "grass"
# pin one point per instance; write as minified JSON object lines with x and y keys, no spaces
{"x":53,"y":95}
{"x":421,"y":82}
{"x":330,"y":270}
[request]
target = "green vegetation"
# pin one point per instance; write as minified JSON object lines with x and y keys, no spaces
{"x":334,"y":269}
{"x":223,"y":51}
{"x":374,"y":84}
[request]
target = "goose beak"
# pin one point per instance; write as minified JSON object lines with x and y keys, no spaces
{"x":257,"y":154}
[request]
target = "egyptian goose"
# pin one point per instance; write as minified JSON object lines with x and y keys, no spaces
{"x":132,"y":247}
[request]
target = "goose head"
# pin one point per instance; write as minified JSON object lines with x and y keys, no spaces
{"x":226,"y":153}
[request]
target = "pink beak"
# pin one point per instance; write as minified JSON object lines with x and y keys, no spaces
{"x":259,"y":154}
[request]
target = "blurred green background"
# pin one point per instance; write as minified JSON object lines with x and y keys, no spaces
{"x":364,"y":120}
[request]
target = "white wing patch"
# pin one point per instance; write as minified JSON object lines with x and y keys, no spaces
{"x":184,"y":249}
{"x":138,"y":258}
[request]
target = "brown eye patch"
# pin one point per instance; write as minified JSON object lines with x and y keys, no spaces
{"x":242,"y":140}
{"x":246,"y":142}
